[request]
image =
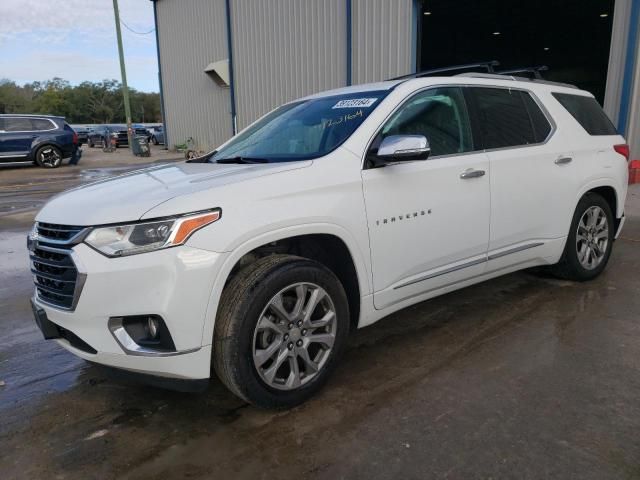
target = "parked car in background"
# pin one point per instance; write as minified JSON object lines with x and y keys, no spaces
{"x":43,"y":139}
{"x":102,"y":133}
{"x":157,"y":135}
{"x":83,"y":134}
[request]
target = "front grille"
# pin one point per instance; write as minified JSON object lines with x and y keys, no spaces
{"x":55,"y":274}
{"x":50,"y":231}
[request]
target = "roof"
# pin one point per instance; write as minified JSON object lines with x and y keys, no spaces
{"x":466,"y":79}
{"x":28,"y":115}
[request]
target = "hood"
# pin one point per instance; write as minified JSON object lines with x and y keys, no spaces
{"x":127,"y":197}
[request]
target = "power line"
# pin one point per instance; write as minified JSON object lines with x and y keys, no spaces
{"x":134,"y":31}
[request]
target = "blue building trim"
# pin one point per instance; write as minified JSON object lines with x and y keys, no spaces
{"x":234,"y":123}
{"x":162,"y":109}
{"x":629,"y":65}
{"x":349,"y":44}
{"x":415,"y":18}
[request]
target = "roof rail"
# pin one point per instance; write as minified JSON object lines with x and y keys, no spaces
{"x":495,"y":76}
{"x":489,"y":66}
{"x":534,"y":70}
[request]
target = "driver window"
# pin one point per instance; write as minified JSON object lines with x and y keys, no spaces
{"x":440,"y":114}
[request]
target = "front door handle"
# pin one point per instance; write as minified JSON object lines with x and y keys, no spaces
{"x":563,"y":160}
{"x":472,"y":173}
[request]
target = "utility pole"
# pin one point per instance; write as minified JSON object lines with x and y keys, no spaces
{"x":123,"y":72}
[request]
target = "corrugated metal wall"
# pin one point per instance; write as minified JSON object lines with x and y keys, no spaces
{"x":382,"y":37}
{"x":285,"y":49}
{"x":192,"y":34}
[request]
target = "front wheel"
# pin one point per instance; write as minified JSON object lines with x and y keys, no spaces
{"x":49,"y":156}
{"x":590,"y":240}
{"x":282,"y":325}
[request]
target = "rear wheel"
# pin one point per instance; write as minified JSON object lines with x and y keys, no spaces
{"x":49,"y":156}
{"x":590,"y":240}
{"x":281,"y":328}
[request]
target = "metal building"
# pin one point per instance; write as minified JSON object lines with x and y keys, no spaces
{"x":224,"y":63}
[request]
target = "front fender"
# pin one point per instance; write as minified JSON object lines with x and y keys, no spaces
{"x":361,"y":266}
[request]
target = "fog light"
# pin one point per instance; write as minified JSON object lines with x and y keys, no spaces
{"x":153,"y":326}
{"x":142,"y":334}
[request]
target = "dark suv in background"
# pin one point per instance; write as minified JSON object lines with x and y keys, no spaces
{"x":100,"y":134}
{"x":43,"y":139}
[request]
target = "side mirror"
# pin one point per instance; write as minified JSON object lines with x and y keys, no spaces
{"x":402,"y":148}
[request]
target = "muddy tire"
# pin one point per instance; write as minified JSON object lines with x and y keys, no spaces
{"x":281,"y":328}
{"x":589,"y":242}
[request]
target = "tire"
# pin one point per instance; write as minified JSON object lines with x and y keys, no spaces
{"x":49,"y":156}
{"x":154,"y":140}
{"x":90,"y":144}
{"x":573,"y":265}
{"x":239,"y":330}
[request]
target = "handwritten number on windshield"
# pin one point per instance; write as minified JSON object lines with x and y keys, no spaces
{"x":343,"y":118}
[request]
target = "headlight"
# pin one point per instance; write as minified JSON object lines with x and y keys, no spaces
{"x":132,"y":238}
{"x":114,"y":135}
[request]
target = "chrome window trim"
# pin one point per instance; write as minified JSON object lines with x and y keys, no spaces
{"x":55,"y":127}
{"x":545,"y":112}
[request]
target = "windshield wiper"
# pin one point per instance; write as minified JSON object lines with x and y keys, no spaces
{"x":242,"y":160}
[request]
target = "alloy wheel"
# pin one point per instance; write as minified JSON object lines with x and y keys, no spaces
{"x":294,"y":336}
{"x":592,"y":238}
{"x":50,"y":157}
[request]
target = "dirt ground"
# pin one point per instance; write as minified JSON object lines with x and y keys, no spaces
{"x":524,"y":376}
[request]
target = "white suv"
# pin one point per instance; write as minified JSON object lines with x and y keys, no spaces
{"x":326,"y":215}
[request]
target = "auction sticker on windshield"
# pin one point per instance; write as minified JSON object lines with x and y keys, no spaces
{"x":355,"y":102}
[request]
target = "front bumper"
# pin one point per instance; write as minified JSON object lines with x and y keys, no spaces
{"x":174,"y":283}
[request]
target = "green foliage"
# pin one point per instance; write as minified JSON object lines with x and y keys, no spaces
{"x":89,"y":102}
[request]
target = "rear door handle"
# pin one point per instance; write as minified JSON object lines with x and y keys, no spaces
{"x":563,"y":160}
{"x":471,"y":173}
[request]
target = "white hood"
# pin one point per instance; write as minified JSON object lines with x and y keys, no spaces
{"x":128,"y":197}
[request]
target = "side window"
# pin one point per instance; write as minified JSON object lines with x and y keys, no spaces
{"x":504,"y":117}
{"x":41,"y":124}
{"x":440,"y":114}
{"x":18,"y":124}
{"x":588,"y":113}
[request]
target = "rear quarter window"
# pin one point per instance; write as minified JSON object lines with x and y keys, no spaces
{"x":42,"y":124}
{"x":587,"y":112}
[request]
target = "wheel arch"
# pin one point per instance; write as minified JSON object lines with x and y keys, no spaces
{"x":609,"y":190}
{"x":340,"y":250}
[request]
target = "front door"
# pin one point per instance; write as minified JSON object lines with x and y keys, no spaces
{"x":429,"y":219}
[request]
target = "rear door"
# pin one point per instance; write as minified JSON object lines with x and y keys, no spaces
{"x":429,"y":219}
{"x":533,"y":175}
{"x":17,"y":137}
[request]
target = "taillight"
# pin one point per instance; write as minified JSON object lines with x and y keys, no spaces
{"x":75,"y":138}
{"x":623,"y":150}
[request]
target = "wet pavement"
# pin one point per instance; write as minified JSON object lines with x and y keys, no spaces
{"x":524,"y":376}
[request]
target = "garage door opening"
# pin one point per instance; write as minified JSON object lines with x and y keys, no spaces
{"x":571,"y":37}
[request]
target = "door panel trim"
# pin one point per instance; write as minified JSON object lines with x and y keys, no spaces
{"x":477,"y":261}
{"x":493,"y":256}
{"x":471,"y":263}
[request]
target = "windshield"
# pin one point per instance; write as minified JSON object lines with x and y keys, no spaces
{"x":302,"y":130}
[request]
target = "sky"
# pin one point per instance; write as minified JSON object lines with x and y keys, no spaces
{"x":76,"y":40}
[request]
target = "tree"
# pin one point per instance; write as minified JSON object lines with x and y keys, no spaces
{"x":88,"y":102}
